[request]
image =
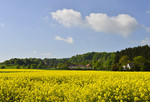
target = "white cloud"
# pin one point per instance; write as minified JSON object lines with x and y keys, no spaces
{"x":46,"y":54}
{"x":68,"y":40}
{"x":67,"y":17}
{"x":146,"y":41}
{"x":122,"y":24}
{"x":2,"y":24}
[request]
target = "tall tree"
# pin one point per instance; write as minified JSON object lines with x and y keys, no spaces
{"x":124,"y":60}
{"x":139,"y":60}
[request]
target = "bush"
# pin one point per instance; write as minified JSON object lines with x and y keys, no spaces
{"x":33,"y":66}
{"x":28,"y":66}
{"x":24,"y":66}
{"x":18,"y":67}
{"x":136,"y":67}
{"x":2,"y":67}
{"x":114,"y":67}
{"x":146,"y":66}
{"x":120,"y":68}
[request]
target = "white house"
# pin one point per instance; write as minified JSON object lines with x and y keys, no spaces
{"x":128,"y":66}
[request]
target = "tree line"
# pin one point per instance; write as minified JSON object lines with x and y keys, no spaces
{"x":99,"y":61}
{"x":138,"y":56}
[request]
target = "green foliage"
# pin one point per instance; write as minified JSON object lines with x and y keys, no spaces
{"x":2,"y":67}
{"x":33,"y":66}
{"x":133,"y":52}
{"x":139,"y":60}
{"x":137,"y":55}
{"x":101,"y":61}
{"x":63,"y":66}
{"x":146,"y":66}
{"x":23,"y":66}
{"x":98,"y":60}
{"x":98,"y":65}
{"x":52,"y":63}
{"x":18,"y":67}
{"x":136,"y":67}
{"x":114,"y":67}
{"x":28,"y":66}
{"x":120,"y":68}
{"x":40,"y":65}
{"x":124,"y":60}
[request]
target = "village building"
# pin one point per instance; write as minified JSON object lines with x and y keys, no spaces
{"x":128,"y":66}
{"x":75,"y":66}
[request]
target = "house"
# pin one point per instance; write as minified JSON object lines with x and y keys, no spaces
{"x":75,"y":66}
{"x":128,"y":66}
{"x":88,"y":66}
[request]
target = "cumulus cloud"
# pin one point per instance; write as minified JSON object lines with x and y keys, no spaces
{"x":67,"y":17}
{"x":46,"y":54}
{"x":2,"y":24}
{"x":67,"y":40}
{"x":122,"y":24}
{"x":146,"y":41}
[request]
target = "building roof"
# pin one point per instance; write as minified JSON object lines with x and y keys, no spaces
{"x":73,"y":65}
{"x":88,"y":65}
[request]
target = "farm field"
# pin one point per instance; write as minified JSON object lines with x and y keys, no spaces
{"x":73,"y":86}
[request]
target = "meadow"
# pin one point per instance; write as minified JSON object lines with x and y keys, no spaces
{"x":27,"y":85}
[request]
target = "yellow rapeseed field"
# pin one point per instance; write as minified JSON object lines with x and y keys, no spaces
{"x":73,"y":86}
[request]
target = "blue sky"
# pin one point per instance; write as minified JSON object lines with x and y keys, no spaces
{"x":63,"y":28}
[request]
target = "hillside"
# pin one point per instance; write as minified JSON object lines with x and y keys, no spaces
{"x":96,"y":60}
{"x":139,"y":57}
{"x":134,"y":52}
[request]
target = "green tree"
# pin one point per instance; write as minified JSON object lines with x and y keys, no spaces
{"x":6,"y":62}
{"x":114,"y":67}
{"x":93,"y":64}
{"x":18,"y":67}
{"x":124,"y":60}
{"x":24,"y":66}
{"x":97,"y":65}
{"x":28,"y":66}
{"x":60,"y":66}
{"x":40,"y":66}
{"x":139,"y":60}
{"x":33,"y":66}
{"x":146,"y":66}
{"x":2,"y":67}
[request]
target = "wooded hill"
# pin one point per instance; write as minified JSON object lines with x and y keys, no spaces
{"x":134,"y":52}
{"x":97,"y":60}
{"x":138,"y":56}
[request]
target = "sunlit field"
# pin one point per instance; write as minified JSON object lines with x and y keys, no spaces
{"x":73,"y":86}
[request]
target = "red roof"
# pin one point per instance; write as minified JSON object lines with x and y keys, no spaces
{"x":88,"y":65}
